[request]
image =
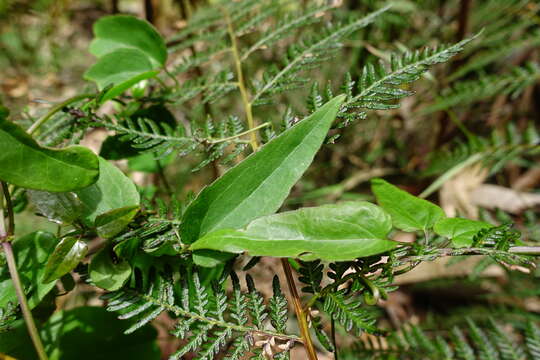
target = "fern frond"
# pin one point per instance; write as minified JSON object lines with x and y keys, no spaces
{"x":379,"y":86}
{"x":305,"y":55}
{"x":349,"y":312}
{"x":494,"y":152}
{"x":495,"y":54}
{"x":474,"y":342}
{"x":285,"y":27}
{"x":8,"y":315}
{"x":485,"y":87}
{"x":207,"y":319}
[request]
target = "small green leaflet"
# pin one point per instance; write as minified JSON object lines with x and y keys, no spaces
{"x":408,"y":212}
{"x":113,"y":222}
{"x":127,"y":32}
{"x":339,"y":232}
{"x":460,"y":231}
{"x":107,"y":274}
{"x":259,"y":184}
{"x":23,"y":162}
{"x":129,"y":50}
{"x":67,"y":254}
{"x":113,"y":190}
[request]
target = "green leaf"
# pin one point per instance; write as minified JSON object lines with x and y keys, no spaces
{"x":108,"y":274}
{"x":259,"y":184}
{"x":123,"y":68}
{"x":23,"y":162}
{"x":113,"y":190}
{"x":127,"y":32}
{"x":408,"y":212}
{"x":330,"y":232}
{"x":61,"y":208}
{"x":460,"y":231}
{"x":68,"y":333}
{"x":31,"y":253}
{"x":67,"y":254}
{"x":113,"y":222}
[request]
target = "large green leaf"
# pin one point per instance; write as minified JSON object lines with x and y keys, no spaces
{"x":23,"y":162}
{"x":259,"y":184}
{"x":67,"y":254}
{"x":127,"y":32}
{"x":31,"y":253}
{"x":113,"y":190}
{"x":108,"y":274}
{"x":460,"y":231}
{"x":408,"y":212}
{"x":84,"y":333}
{"x":330,"y":232}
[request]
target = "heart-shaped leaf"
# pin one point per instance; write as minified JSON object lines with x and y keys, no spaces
{"x":330,"y":232}
{"x":127,"y":32}
{"x":259,"y":184}
{"x":460,"y":231}
{"x":408,"y":212}
{"x":23,"y":162}
{"x":68,"y":253}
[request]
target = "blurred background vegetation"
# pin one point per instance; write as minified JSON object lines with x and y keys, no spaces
{"x":471,"y":128}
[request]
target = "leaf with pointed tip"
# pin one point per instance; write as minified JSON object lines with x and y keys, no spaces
{"x":408,"y":212}
{"x":66,"y":255}
{"x":460,"y":231}
{"x":339,"y":232}
{"x":259,"y":184}
{"x":23,"y":162}
{"x":127,"y":32}
{"x":113,"y":222}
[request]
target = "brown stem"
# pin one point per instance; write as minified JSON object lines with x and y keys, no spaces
{"x":300,"y":314}
{"x":5,"y":237}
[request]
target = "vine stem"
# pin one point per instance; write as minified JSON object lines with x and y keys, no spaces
{"x":300,"y":313}
{"x":32,"y":129}
{"x":5,"y":237}
{"x":241,"y":82}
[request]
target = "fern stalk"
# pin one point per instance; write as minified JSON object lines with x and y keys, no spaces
{"x":300,"y":313}
{"x":5,"y":237}
{"x":241,"y":83}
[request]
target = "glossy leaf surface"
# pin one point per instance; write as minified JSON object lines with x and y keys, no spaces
{"x":67,"y":254}
{"x":23,"y":162}
{"x":259,"y":184}
{"x":117,"y":32}
{"x":460,"y":231}
{"x":331,"y":232}
{"x":408,"y":212}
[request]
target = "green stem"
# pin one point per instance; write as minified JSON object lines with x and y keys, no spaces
{"x":217,"y":141}
{"x":241,"y":83}
{"x":58,"y":107}
{"x":10,"y":258}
